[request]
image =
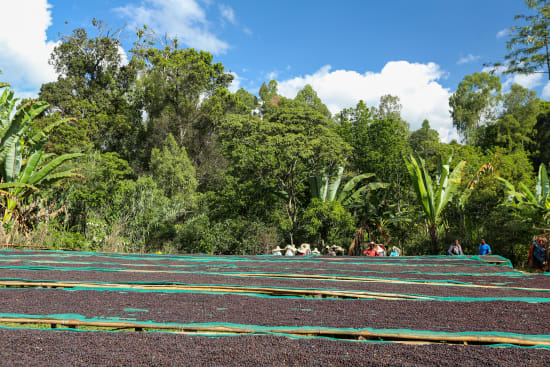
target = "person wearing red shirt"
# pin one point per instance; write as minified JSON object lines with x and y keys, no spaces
{"x":370,"y":251}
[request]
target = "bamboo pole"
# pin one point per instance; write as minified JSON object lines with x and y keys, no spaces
{"x":225,"y":289}
{"x":396,"y":281}
{"x":292,"y":276}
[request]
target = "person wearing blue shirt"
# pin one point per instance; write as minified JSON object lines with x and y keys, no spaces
{"x":484,"y":248}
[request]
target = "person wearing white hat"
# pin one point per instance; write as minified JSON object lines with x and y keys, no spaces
{"x":290,"y":250}
{"x":339,"y":250}
{"x":315,"y":252}
{"x":277,"y":251}
{"x":304,"y":249}
{"x":380,"y":250}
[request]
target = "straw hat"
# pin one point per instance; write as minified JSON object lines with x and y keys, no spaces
{"x":290,"y":247}
{"x":315,"y":251}
{"x":304,"y":247}
{"x":277,"y":249}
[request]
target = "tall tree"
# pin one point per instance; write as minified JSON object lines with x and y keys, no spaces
{"x":424,"y":139}
{"x":248,"y":99}
{"x":307,"y":97}
{"x":474,"y":103}
{"x":173,"y":171}
{"x":184,"y":93}
{"x":528,"y":46}
{"x":352,"y":125}
{"x":515,"y":126}
{"x":267,"y":92}
{"x":389,"y":108}
{"x":541,"y":149}
{"x":93,"y":86}
{"x":282,"y":151}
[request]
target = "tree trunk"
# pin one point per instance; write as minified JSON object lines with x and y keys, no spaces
{"x":433,"y":238}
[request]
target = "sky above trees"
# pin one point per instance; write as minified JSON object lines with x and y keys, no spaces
{"x":348,"y":50}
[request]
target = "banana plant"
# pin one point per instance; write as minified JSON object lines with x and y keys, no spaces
{"x":326,"y":188}
{"x":36,"y":172}
{"x":24,"y":167}
{"x":539,"y":200}
{"x":434,"y":195}
{"x":355,"y":196}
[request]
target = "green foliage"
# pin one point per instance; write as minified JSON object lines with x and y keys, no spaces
{"x":434,"y":196}
{"x":539,"y":200}
{"x":175,"y":162}
{"x":425,"y":140}
{"x":267,"y":92}
{"x":25,"y":167}
{"x":248,"y":99}
{"x":307,"y":97}
{"x":541,"y":146}
{"x":229,"y":236}
{"x":173,"y":171}
{"x":104,"y":175}
{"x":378,"y":144}
{"x":282,"y":150}
{"x":184,"y":94}
{"x":473,"y":103}
{"x":389,"y":108}
{"x":327,"y":222}
{"x":527,"y":47}
{"x":94,"y":87}
{"x":514,"y":128}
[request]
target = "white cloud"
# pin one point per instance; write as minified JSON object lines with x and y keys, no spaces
{"x":528,"y":81}
{"x":503,"y":33}
{"x":421,"y":96}
{"x":468,"y":59}
{"x":184,"y":19}
{"x":546,"y":91}
{"x":236,"y":83}
{"x":272,"y":75}
{"x":228,"y":14}
{"x":24,"y":48}
{"x":123,"y":56}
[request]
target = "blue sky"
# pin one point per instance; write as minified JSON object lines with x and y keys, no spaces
{"x":347,"y":50}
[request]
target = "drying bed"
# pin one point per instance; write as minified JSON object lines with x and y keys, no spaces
{"x":472,"y":269}
{"x":448,"y":288}
{"x":62,"y":348}
{"x":187,"y":308}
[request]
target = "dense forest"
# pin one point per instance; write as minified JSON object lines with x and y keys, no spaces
{"x":156,"y":154}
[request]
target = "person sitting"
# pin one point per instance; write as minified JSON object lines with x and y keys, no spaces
{"x":304,"y":249}
{"x":484,"y":248}
{"x":537,"y":254}
{"x":380,"y":250}
{"x":339,"y":250}
{"x":290,"y":250}
{"x":277,"y":251}
{"x":395,"y":251}
{"x":370,"y":251}
{"x":315,"y":252}
{"x":455,"y":249}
